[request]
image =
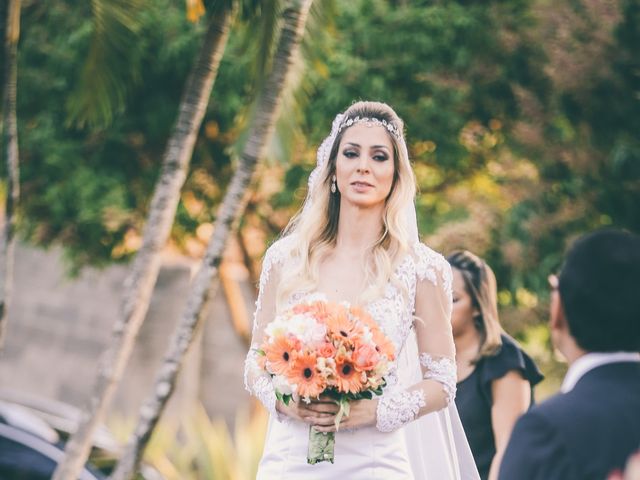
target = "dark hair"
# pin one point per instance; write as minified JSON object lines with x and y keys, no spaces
{"x":599,"y":286}
{"x":480,"y":284}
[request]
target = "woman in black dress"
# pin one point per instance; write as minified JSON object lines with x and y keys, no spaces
{"x":495,"y":376}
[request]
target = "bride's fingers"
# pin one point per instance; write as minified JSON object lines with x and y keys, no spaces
{"x":322,"y":401}
{"x":330,"y":426}
{"x":326,"y":399}
{"x":323,"y":408}
{"x":329,"y":416}
{"x":307,"y":413}
{"x":320,"y":422}
{"x":318,"y":407}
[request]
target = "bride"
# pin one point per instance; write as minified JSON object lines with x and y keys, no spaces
{"x":356,"y":240}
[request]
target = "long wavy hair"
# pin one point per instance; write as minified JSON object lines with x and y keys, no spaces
{"x":480,"y":283}
{"x":316,"y":226}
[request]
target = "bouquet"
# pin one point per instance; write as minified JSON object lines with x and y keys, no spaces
{"x":322,"y":348}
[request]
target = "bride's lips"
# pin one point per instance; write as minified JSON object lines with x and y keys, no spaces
{"x":361,"y":186}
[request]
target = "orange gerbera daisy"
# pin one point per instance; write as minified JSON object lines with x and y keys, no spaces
{"x":363,"y":317}
{"x":348,"y":379}
{"x":302,"y":308}
{"x":305,"y":375}
{"x":340,"y":325}
{"x":321,"y":311}
{"x":383,"y":345}
{"x":280,"y":353}
{"x":318,"y":310}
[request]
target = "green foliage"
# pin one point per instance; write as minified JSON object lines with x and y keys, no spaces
{"x":521,"y":119}
{"x":88,"y":188}
{"x":518,"y":121}
{"x":112,"y":62}
{"x":580,"y":131}
{"x":80,"y":187}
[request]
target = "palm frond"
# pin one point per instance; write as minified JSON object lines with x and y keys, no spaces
{"x":261,"y":22}
{"x":297,"y":92}
{"x":111,"y":67}
{"x":320,"y":24}
{"x":268,"y":26}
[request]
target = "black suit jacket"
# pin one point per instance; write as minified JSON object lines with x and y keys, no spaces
{"x":583,"y":434}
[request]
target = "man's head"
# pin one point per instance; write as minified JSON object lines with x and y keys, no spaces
{"x":597,"y":302}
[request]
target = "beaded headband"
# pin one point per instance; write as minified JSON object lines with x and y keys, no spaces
{"x":370,"y":122}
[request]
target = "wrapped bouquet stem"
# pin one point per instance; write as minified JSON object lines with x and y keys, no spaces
{"x":322,"y":444}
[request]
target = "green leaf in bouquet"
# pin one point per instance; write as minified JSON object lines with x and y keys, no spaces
{"x":333,"y":393}
{"x":378,"y":391}
{"x":284,"y":398}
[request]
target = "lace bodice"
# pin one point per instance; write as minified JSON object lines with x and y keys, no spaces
{"x":422,"y":273}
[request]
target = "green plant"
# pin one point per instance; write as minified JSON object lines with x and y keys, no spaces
{"x":197,"y":447}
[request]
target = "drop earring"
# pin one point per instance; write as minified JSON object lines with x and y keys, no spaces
{"x":333,"y":184}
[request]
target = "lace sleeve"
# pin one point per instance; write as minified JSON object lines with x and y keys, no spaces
{"x":256,"y":380}
{"x":398,"y":407}
{"x":435,"y":346}
{"x":442,"y":370}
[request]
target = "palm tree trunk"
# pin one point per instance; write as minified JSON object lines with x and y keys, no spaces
{"x":143,"y":273}
{"x":10,"y":142}
{"x":262,"y":127}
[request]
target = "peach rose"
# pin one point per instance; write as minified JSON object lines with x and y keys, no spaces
{"x":365,"y":357}
{"x":326,"y":350}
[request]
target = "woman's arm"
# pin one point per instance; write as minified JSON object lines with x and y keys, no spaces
{"x":511,"y":398}
{"x":398,"y":406}
{"x":256,"y":380}
{"x":435,"y":347}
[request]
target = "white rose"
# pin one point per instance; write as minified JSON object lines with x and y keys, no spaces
{"x":306,"y":329}
{"x":276,"y":328}
{"x":281,"y":384}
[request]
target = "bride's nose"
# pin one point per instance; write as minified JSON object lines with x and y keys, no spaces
{"x":363,"y":164}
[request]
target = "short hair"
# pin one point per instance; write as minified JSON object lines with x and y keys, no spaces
{"x":599,"y":286}
{"x":480,"y":284}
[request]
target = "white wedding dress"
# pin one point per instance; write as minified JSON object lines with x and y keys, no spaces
{"x":431,"y":447}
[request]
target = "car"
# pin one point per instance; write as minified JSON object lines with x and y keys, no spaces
{"x":33,"y":432}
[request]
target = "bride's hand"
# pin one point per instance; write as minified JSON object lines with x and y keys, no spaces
{"x":362,"y":414}
{"x":319,"y":412}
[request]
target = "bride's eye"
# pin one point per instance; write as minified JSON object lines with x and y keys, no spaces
{"x":350,"y":153}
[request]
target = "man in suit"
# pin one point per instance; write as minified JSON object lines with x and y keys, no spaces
{"x":592,"y":426}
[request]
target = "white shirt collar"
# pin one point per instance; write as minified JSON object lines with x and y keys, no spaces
{"x":592,"y":360}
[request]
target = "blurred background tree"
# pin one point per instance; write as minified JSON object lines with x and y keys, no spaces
{"x":522,"y":121}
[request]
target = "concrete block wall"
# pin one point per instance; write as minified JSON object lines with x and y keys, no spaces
{"x":59,"y":327}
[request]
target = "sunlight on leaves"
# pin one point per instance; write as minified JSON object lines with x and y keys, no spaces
{"x":526,"y":298}
{"x":195,"y":10}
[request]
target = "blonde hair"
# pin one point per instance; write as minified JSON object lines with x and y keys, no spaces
{"x":480,"y":283}
{"x":316,"y":225}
